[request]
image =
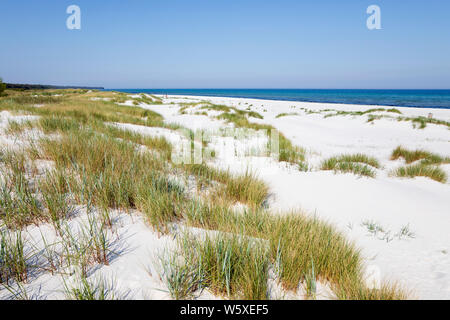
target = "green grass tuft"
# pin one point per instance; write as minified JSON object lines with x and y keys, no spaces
{"x":422,"y":170}
{"x":358,"y":164}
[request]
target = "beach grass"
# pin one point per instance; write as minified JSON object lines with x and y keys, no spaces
{"x":358,"y":164}
{"x":280,"y":115}
{"x":232,"y":266}
{"x":422,"y":170}
{"x":103,"y":168}
{"x":14,"y":260}
{"x":424,"y":156}
{"x":91,"y":290}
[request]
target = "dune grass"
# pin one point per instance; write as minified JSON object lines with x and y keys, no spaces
{"x":354,"y":289}
{"x":81,"y":109}
{"x":420,"y":163}
{"x":14,"y":261}
{"x":360,"y":113}
{"x":294,"y":241}
{"x":359,"y":164}
{"x":424,"y":156}
{"x":287,"y":151}
{"x":245,"y":188}
{"x":94,"y":290}
{"x":55,"y":190}
{"x":422,"y":122}
{"x":230,"y":265}
{"x":104,"y":168}
{"x":182,"y":277}
{"x":232,"y":112}
{"x":422,"y":170}
{"x":19,"y":205}
{"x":280,"y":115}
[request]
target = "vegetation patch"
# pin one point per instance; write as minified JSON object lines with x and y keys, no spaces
{"x":422,"y":170}
{"x":424,"y":156}
{"x":102,"y":168}
{"x":280,"y":115}
{"x":359,"y":164}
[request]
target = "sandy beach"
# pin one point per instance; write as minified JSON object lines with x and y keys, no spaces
{"x":348,"y":201}
{"x":399,"y":224}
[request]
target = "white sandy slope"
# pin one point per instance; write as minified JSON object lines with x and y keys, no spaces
{"x":422,"y":263}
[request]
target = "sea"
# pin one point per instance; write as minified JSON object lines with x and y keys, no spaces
{"x":400,"y":98}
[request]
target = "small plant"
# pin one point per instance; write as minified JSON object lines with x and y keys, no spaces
{"x":14,"y":261}
{"x":98,"y":239}
{"x":181,"y":273}
{"x":311,"y":285}
{"x":405,"y":232}
{"x":86,"y":289}
{"x":53,"y":258}
{"x":373,"y":227}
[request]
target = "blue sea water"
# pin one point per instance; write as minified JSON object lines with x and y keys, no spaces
{"x":400,"y":98}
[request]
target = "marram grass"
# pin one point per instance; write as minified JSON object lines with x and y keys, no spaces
{"x":358,"y":164}
{"x":421,"y":170}
{"x":103,"y":167}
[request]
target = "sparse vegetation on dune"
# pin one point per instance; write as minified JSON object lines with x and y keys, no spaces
{"x":293,"y":241}
{"x":280,"y":115}
{"x":358,"y":164}
{"x":102,"y":167}
{"x":89,"y":290}
{"x":14,"y":260}
{"x":360,"y":113}
{"x":427,"y":164}
{"x":424,"y":156}
{"x":245,"y":188}
{"x":232,"y":266}
{"x":419,"y":122}
{"x":422,"y":122}
{"x":422,"y":170}
{"x":287,"y":151}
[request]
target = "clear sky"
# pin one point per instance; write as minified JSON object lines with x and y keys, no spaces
{"x":227,"y":44}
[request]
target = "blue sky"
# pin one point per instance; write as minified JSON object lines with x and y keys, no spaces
{"x":227,"y":44}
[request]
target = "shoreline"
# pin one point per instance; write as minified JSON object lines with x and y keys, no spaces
{"x":419,"y":111}
{"x":364,"y":102}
